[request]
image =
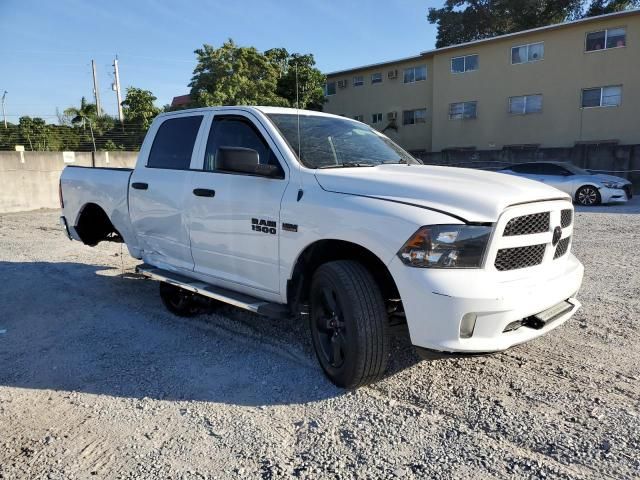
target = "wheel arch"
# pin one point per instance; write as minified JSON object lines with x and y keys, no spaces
{"x":93,"y":225}
{"x":322,"y":251}
{"x":581,"y":185}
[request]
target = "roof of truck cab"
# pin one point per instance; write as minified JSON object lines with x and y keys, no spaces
{"x":263,"y":109}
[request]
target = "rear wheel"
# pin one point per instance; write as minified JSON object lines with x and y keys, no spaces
{"x":348,"y":323}
{"x":178,"y":301}
{"x":588,"y":195}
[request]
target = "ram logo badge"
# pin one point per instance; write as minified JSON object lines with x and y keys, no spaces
{"x":264,"y":226}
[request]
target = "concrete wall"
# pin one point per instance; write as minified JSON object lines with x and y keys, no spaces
{"x":29,"y":180}
{"x":620,"y":160}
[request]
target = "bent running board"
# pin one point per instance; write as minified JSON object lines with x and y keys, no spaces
{"x":240,"y":300}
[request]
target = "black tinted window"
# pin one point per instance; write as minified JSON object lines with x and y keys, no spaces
{"x":530,"y":168}
{"x":237,"y":132}
{"x":173,"y":145}
{"x":552,"y":169}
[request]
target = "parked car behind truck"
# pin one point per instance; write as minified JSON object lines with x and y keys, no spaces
{"x":586,"y":188}
{"x":303,"y":213}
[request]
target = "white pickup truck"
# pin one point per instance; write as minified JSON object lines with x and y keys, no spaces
{"x":286,"y":212}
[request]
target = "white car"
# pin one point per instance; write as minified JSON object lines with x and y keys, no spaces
{"x":585,"y":188}
{"x":320,"y":217}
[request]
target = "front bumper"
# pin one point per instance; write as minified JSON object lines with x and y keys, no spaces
{"x":65,"y":225}
{"x":608,"y":195}
{"x":435,"y":302}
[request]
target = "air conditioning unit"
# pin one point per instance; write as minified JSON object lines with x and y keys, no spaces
{"x":392,"y":115}
{"x":392,"y":74}
{"x":342,"y":84}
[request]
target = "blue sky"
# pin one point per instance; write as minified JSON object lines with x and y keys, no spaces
{"x":46,"y":47}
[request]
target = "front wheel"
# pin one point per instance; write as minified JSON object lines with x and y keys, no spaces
{"x":588,"y":195}
{"x":178,"y":300}
{"x":348,"y":323}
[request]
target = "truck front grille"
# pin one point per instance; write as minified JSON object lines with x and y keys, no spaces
{"x":562,"y":247}
{"x":527,"y":224}
{"x":519,"y":257}
{"x":566,"y":217}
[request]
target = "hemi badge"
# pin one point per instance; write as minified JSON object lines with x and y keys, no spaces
{"x":290,"y":227}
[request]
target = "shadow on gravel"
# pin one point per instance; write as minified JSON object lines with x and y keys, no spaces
{"x":630,"y":207}
{"x":87,"y":328}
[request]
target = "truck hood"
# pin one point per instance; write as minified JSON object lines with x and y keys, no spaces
{"x":467,"y":194}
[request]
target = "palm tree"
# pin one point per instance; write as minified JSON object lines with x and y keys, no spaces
{"x":86,"y":113}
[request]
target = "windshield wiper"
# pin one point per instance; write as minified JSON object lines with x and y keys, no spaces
{"x":347,"y":165}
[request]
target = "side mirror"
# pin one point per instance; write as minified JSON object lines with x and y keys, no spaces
{"x":243,"y":160}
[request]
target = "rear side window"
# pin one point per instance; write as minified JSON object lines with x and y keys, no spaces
{"x":237,"y":132}
{"x":525,"y":168}
{"x":173,"y":145}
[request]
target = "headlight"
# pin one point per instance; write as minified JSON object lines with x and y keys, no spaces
{"x":446,"y":246}
{"x":612,"y":184}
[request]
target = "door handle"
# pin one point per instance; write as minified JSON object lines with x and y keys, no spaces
{"x":140,"y":185}
{"x":204,"y":192}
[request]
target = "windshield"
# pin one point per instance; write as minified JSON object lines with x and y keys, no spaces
{"x":329,"y":142}
{"x":576,"y":170}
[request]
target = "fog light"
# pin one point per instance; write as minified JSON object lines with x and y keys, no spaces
{"x":467,"y":325}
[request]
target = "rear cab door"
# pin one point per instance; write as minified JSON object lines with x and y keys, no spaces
{"x":235,"y":227}
{"x":159,"y":185}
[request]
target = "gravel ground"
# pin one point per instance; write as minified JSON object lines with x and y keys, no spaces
{"x":97,"y":380}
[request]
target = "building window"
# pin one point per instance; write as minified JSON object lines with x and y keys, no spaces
{"x":410,"y":117}
{"x":603,"y":39}
{"x":376,"y":118}
{"x":463,"y":110}
{"x":376,"y":77}
{"x":525,"y":104}
{"x":359,"y":118}
{"x":602,"y":97}
{"x":358,"y":81}
{"x":468,"y":63}
{"x":532,"y":52}
{"x":330,"y":89}
{"x":415,"y":74}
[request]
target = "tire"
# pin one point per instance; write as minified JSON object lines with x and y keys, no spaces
{"x":588,"y":195}
{"x":178,"y":301}
{"x":348,"y":323}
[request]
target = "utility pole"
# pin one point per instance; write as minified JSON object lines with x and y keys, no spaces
{"x":96,"y":91}
{"x":4,"y":115}
{"x":117,"y":88}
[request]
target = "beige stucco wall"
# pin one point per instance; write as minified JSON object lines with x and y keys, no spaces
{"x":560,"y":77}
{"x":388,"y":96}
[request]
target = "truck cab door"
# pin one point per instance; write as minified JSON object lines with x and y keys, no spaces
{"x":157,"y":191}
{"x":234,"y":218}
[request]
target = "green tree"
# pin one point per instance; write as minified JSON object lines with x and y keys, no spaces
{"x":87,"y":112}
{"x":234,"y":75}
{"x":461,"y":21}
{"x":138,"y":107}
{"x":300,"y":81}
{"x":34,"y":132}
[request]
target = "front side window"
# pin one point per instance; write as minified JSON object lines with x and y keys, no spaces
{"x":410,"y":117}
{"x":531,"y":52}
{"x":602,"y":96}
{"x":604,"y":39}
{"x":330,"y":142}
{"x":462,"y":110}
{"x":376,"y":77}
{"x":376,"y":118}
{"x":358,"y":81}
{"x":467,"y":63}
{"x":330,"y":88}
{"x":525,"y":104}
{"x":415,"y":74}
{"x":235,"y":131}
{"x":173,"y":144}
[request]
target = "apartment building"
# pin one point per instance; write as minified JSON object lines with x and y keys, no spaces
{"x":555,"y":86}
